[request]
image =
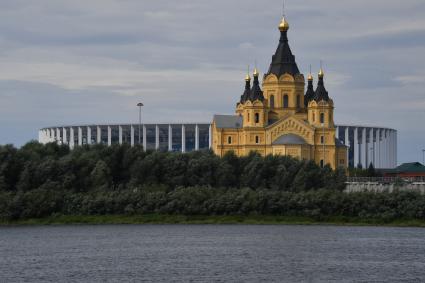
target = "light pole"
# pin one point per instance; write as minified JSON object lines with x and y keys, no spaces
{"x":140,"y":117}
{"x":423,"y":156}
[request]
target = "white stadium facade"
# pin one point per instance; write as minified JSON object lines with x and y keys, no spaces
{"x":366,"y":144}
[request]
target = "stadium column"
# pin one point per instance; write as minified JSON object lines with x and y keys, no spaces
{"x":196,"y":137}
{"x":377,"y":148}
{"x":132,"y":135}
{"x":387,"y":148}
{"x":64,"y":135}
{"x":183,"y":138}
{"x":71,"y":137}
{"x":170,"y":138}
{"x":394,"y":149}
{"x":356,"y":147}
{"x":347,"y":143}
{"x":109,"y":136}
{"x":210,"y":137}
{"x":364,"y":148}
{"x":120,"y":134}
{"x":58,"y":136}
{"x":383,"y":149}
{"x":88,"y":135}
{"x":145,"y":142}
{"x":156,"y":137}
{"x":387,"y":152}
{"x":40,"y":136}
{"x":371,"y":148}
{"x":99,"y":135}
{"x":80,"y":136}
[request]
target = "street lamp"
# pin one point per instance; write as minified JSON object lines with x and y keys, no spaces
{"x":423,"y":156}
{"x":140,"y":117}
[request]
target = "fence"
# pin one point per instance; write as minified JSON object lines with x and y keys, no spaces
{"x":386,"y":180}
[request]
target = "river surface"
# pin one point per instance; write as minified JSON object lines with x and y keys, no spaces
{"x":211,"y":253}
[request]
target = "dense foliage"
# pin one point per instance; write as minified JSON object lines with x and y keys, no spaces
{"x":41,"y":180}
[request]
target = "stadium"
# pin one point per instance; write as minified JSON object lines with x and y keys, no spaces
{"x":366,"y":145}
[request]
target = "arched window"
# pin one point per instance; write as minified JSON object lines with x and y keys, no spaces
{"x":257,"y":139}
{"x":257,"y":118}
{"x":322,"y":118}
{"x":322,"y":164}
{"x":298,"y":101}
{"x":314,"y":117}
{"x":322,"y":139}
{"x":285,"y":101}
{"x":248,"y":117}
{"x":271,"y":101}
{"x":229,"y":140}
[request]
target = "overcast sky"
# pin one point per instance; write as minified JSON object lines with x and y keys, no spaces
{"x":80,"y":61}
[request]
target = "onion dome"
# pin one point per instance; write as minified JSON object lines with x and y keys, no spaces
{"x":283,"y":61}
{"x":321,"y":92}
{"x":247,"y":91}
{"x":256,"y":92}
{"x":321,"y":73}
{"x":309,"y":95}
{"x":284,"y":25}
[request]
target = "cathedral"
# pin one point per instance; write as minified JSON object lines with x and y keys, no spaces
{"x":280,"y":117}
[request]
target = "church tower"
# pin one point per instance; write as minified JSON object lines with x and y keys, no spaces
{"x":280,"y":118}
{"x":283,"y":83}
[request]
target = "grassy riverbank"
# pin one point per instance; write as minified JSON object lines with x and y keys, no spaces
{"x":183,"y":219}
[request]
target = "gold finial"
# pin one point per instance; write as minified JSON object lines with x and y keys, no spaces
{"x":255,"y":69}
{"x":310,"y":77}
{"x":321,"y":73}
{"x":284,"y":25}
{"x":247,"y":77}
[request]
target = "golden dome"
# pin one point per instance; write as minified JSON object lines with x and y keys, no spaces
{"x":310,"y":77}
{"x":247,"y":78}
{"x":255,"y":72}
{"x":284,"y":25}
{"x":321,"y":73}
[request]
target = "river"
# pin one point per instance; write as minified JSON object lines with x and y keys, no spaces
{"x":211,"y":253}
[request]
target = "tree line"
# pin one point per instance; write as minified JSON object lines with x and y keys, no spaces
{"x":41,"y":180}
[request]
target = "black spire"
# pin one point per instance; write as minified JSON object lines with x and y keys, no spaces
{"x":256,"y":92}
{"x":283,"y":61}
{"x":309,"y":95}
{"x":247,"y":91}
{"x":321,"y":92}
